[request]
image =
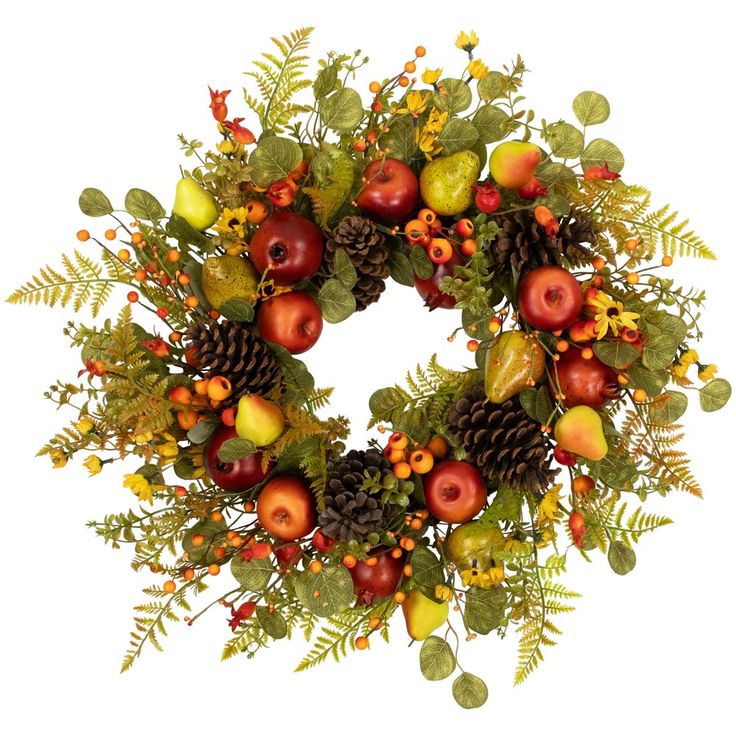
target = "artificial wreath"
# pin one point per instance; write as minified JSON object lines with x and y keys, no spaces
{"x":480,"y":482}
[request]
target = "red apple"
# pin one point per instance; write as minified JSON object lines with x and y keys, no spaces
{"x":549,"y":298}
{"x":290,"y":244}
{"x":455,"y":491}
{"x":237,"y":476}
{"x":285,"y":508}
{"x":429,"y":289}
{"x":293,"y":320}
{"x":390,"y":193}
{"x":377,"y":582}
{"x":583,"y":381}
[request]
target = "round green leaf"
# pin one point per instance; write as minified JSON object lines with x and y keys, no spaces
{"x":621,"y":558}
{"x":469,"y":691}
{"x":237,"y":310}
{"x":333,"y":587}
{"x":274,"y":158}
{"x":386,"y":403}
{"x":715,"y":395}
{"x":336,"y":301}
{"x":492,"y":86}
{"x":457,"y":135}
{"x":565,"y":140}
{"x":233,"y":449}
{"x":591,"y":108}
{"x":252,"y":575}
{"x":659,"y":352}
{"x":427,"y":571}
{"x":491,"y":122}
{"x":201,"y":431}
{"x":342,"y":110}
{"x":94,"y":203}
{"x":600,"y":151}
{"x":143,"y":205}
{"x":557,"y":204}
{"x":343,"y":269}
{"x":325,"y":81}
{"x":453,"y":96}
{"x":669,"y":407}
{"x":422,"y":265}
{"x":436,"y":660}
{"x":401,"y":269}
{"x":616,"y":354}
{"x":273,"y":623}
{"x":552,"y":173}
{"x":484,"y":609}
{"x":401,"y":140}
{"x":651,"y":381}
{"x":213,"y":533}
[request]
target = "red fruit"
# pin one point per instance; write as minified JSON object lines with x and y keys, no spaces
{"x":290,"y":245}
{"x":576,"y":524}
{"x":582,"y":331}
{"x":372,"y":583}
{"x":464,"y":228}
{"x":288,"y":555}
{"x":429,"y":289}
{"x":293,"y":320}
{"x":549,"y":298}
{"x":321,"y":542}
{"x":487,"y":198}
{"x":390,"y":193}
{"x":218,"y":105}
{"x":237,"y":476}
{"x":587,"y":382}
{"x":532,"y":189}
{"x":439,"y":250}
{"x":285,"y":508}
{"x":454,"y":491}
{"x":564,"y":457}
{"x":596,"y":173}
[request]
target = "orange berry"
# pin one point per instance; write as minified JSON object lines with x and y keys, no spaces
{"x":359,"y":145}
{"x":200,"y":387}
{"x":407,"y":543}
{"x":582,"y":485}
{"x":438,"y":446}
{"x":133,"y":297}
{"x":180,"y":491}
{"x":402,"y":470}
{"x":407,"y":571}
{"x":362,"y":643}
{"x":376,"y":106}
{"x":83,"y":236}
{"x":186,"y":419}
{"x":216,"y":516}
{"x":599,"y":263}
{"x":562,"y":346}
{"x":191,"y":301}
{"x":393,"y":455}
{"x":622,"y":379}
{"x":415,"y":230}
{"x":124,"y":255}
{"x":173,"y":256}
{"x":398,"y":441}
{"x":423,"y":514}
{"x":256,"y":211}
{"x":219,"y":388}
{"x":416,"y":524}
{"x":632,"y":278}
{"x":371,"y":561}
{"x":631,"y":244}
{"x":169,"y":586}
{"x":396,"y":552}
{"x":468,"y":247}
{"x":228,"y":417}
{"x":640,"y":396}
{"x":399,"y":597}
{"x":180,"y":395}
{"x":140,"y":275}
{"x":315,"y":566}
{"x":427,"y":215}
{"x":213,"y":569}
{"x":374,"y":623}
{"x":472,"y":345}
{"x":237,"y":541}
{"x":403,"y":81}
{"x":421,"y":461}
{"x":374,"y":87}
{"x":439,"y":250}
{"x":198,"y":540}
{"x":586,"y":353}
{"x":494,"y":325}
{"x":667,"y":261}
{"x":188,"y":573}
{"x":219,"y":553}
{"x":249,"y":507}
{"x":136,"y":238}
{"x":420,"y":51}
{"x":349,"y":561}
{"x":410,"y":67}
{"x":183,"y":279}
{"x":111,"y":234}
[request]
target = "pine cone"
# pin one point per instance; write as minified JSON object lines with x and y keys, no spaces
{"x":358,"y":237}
{"x":522,"y":243}
{"x":503,"y":441}
{"x":228,"y":349}
{"x":350,"y":513}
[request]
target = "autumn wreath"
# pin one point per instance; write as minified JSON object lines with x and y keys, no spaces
{"x":480,"y":482}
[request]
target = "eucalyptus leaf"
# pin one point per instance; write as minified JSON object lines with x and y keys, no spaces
{"x":543,"y":405}
{"x":528,"y":400}
{"x":401,"y":268}
{"x":177,"y":227}
{"x":414,"y":424}
{"x":492,"y":86}
{"x":336,"y":301}
{"x":506,"y":506}
{"x":669,"y":407}
{"x":600,"y":151}
{"x":342,"y":110}
{"x":616,"y":354}
{"x":659,"y":352}
{"x":552,"y":173}
{"x":651,"y":381}
{"x":274,"y":158}
{"x":201,"y":431}
{"x":236,"y":448}
{"x":484,"y":609}
{"x":453,"y":96}
{"x":94,"y":203}
{"x":253,"y":575}
{"x":565,"y":140}
{"x":422,"y":265}
{"x":621,"y":558}
{"x":469,"y":691}
{"x":143,"y":205}
{"x":457,"y":135}
{"x":491,"y":122}
{"x":427,"y":571}
{"x":673,"y":325}
{"x":343,"y":269}
{"x":333,"y":587}
{"x":476,"y":325}
{"x":591,"y":108}
{"x":272,"y":622}
{"x":325,"y":81}
{"x":557,"y":204}
{"x":213,"y":533}
{"x":715,"y":395}
{"x":237,"y":310}
{"x":297,"y":378}
{"x":436,"y":660}
{"x":401,"y":140}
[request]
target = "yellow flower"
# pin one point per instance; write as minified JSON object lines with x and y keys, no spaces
{"x":431,"y":76}
{"x":483,"y":578}
{"x":436,"y":121}
{"x":707,"y":372}
{"x":142,"y":439}
{"x":416,"y":103}
{"x":477,"y":69}
{"x":232,"y":221}
{"x":140,"y":486}
{"x":85,"y":425}
{"x":610,"y":316}
{"x":226,"y":146}
{"x":236,"y":250}
{"x":548,"y":505}
{"x":466,"y":42}
{"x":58,"y":458}
{"x":169,"y":448}
{"x":684,"y":362}
{"x":443,"y":592}
{"x":93,"y":464}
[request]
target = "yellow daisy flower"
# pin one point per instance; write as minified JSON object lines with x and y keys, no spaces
{"x":169,"y":448}
{"x":610,"y":316}
{"x":477,"y":69}
{"x":58,"y":458}
{"x":688,"y":358}
{"x":416,"y":103}
{"x":707,"y":372}
{"x":467,"y":41}
{"x":143,"y":438}
{"x":93,"y":464}
{"x":443,"y":592}
{"x":232,"y":221}
{"x":226,"y":146}
{"x":483,"y":578}
{"x":140,"y":486}
{"x":431,"y":76}
{"x":85,"y":425}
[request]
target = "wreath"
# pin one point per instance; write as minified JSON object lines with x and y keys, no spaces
{"x":479,"y":483}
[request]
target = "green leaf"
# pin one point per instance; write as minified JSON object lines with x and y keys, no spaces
{"x":252,"y":575}
{"x":143,"y":205}
{"x":334,"y":588}
{"x":177,"y":227}
{"x":469,"y":691}
{"x":236,"y":448}
{"x":492,"y":86}
{"x":343,"y":269}
{"x":193,"y":269}
{"x":715,"y":395}
{"x":543,"y":405}
{"x":454,"y":96}
{"x":427,"y":571}
{"x":621,"y":557}
{"x":401,"y":268}
{"x":272,"y":622}
{"x":600,"y":151}
{"x":325,"y":81}
{"x":184,"y":468}
{"x":616,"y":354}
{"x":557,"y":204}
{"x":299,"y":381}
{"x":565,"y":140}
{"x":553,"y":173}
{"x":414,"y":424}
{"x":237,"y":310}
{"x":387,"y":403}
{"x":337,"y":302}
{"x":659,"y":352}
{"x":342,"y":110}
{"x":436,"y":660}
{"x":651,"y":381}
{"x":94,"y":203}
{"x":400,"y":139}
{"x":457,"y":135}
{"x":506,"y":506}
{"x":484,"y":609}
{"x":480,"y":323}
{"x":423,"y":267}
{"x":669,"y":407}
{"x":591,"y":108}
{"x":528,"y":400}
{"x":213,"y":533}
{"x":491,"y":122}
{"x":200,"y":432}
{"x":673,"y":325}
{"x":274,"y":158}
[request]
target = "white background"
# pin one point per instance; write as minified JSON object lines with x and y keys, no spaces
{"x":93,"y":94}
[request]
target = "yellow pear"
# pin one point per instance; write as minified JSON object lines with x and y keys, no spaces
{"x":423,"y":615}
{"x":512,"y":164}
{"x":580,"y":431}
{"x":195,"y":204}
{"x":513,"y":360}
{"x":473,"y":545}
{"x":259,"y":420}
{"x":228,"y":277}
{"x":446,"y":184}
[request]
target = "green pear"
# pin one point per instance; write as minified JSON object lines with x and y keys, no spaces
{"x":259,"y":420}
{"x":514,"y":359}
{"x":195,"y":204}
{"x":512,"y":164}
{"x":423,"y":615}
{"x":228,"y":277}
{"x":580,"y":431}
{"x":446,"y":184}
{"x":473,"y":545}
